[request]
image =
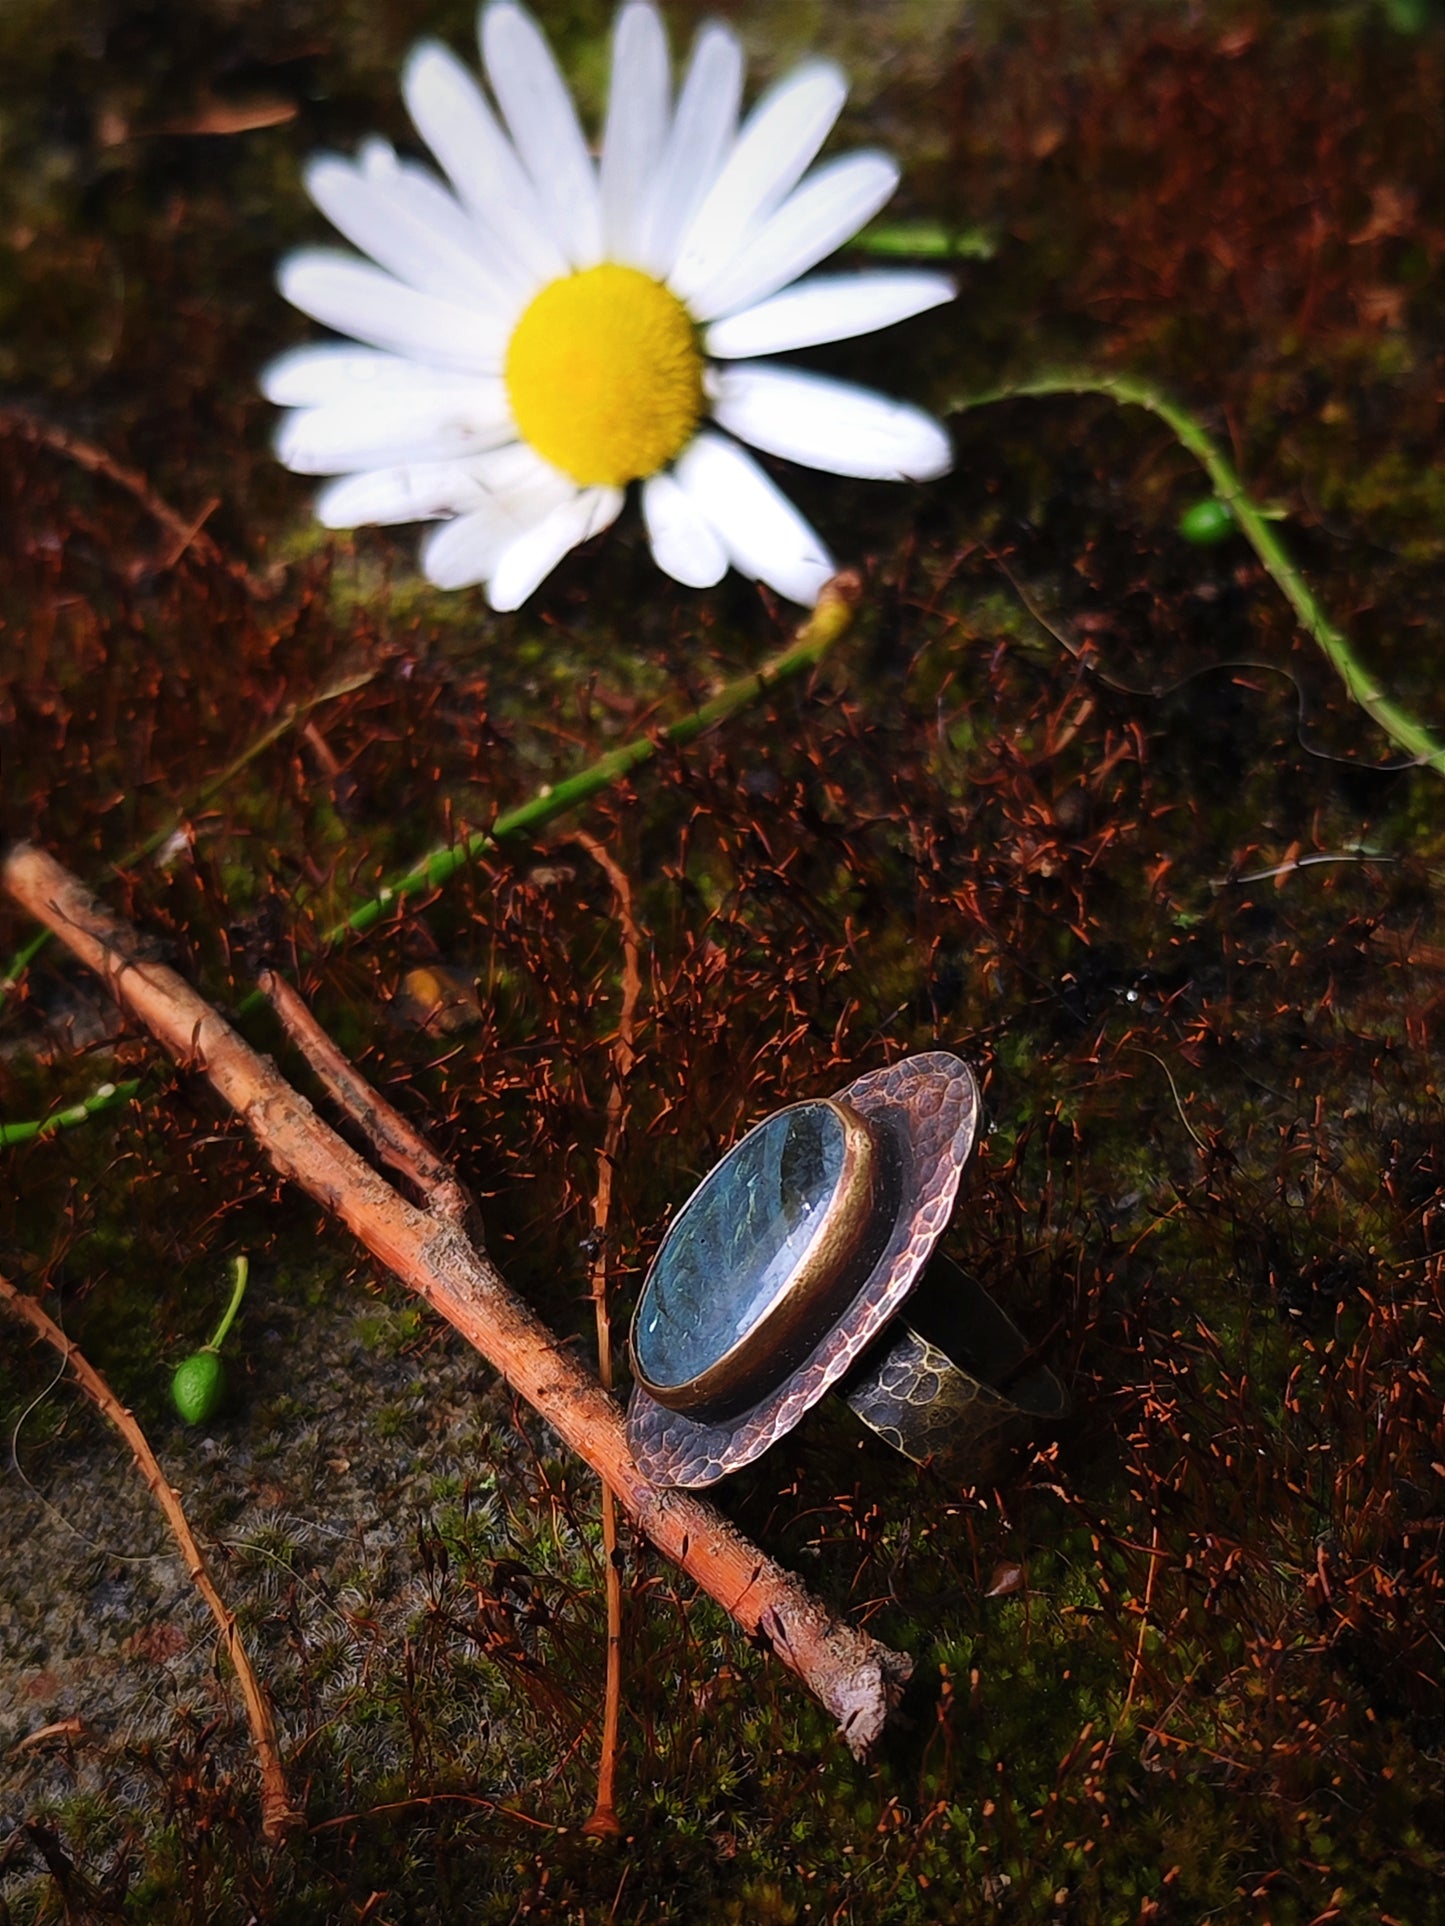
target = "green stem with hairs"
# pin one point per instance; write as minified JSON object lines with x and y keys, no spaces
{"x":109,"y":1096}
{"x":814,"y":639}
{"x":1401,"y":727}
{"x":926,"y":241}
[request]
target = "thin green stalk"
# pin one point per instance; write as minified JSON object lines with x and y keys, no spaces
{"x":109,"y":1096}
{"x":814,"y":639}
{"x":1401,"y":727}
{"x":21,"y":961}
{"x":240,"y":1272}
{"x":927,"y":241}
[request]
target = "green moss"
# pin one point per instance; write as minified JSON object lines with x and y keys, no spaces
{"x":1018,"y":815}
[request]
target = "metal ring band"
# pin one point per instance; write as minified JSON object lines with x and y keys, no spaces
{"x":951,"y":1383}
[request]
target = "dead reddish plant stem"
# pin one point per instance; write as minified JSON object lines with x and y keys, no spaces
{"x":604,"y":1813}
{"x":856,"y":1677}
{"x":279,"y":1817}
{"x":95,"y":461}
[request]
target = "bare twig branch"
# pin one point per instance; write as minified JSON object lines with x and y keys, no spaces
{"x":391,"y":1137}
{"x":858,"y":1679}
{"x":279,"y":1817}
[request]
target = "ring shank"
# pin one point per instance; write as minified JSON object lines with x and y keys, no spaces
{"x":952,"y":1383}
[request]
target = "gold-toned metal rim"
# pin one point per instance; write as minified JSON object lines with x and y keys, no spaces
{"x":806,"y":1305}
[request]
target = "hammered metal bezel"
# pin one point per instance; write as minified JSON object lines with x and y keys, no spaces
{"x":927,"y":1109}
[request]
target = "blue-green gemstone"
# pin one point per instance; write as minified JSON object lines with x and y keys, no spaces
{"x":736,"y":1242}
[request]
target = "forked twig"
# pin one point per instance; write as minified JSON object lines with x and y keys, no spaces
{"x":279,"y":1817}
{"x":391,"y":1137}
{"x":858,"y":1679}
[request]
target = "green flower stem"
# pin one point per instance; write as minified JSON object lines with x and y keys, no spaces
{"x":109,"y":1096}
{"x":240,"y":1272}
{"x":293,"y":713}
{"x":926,"y":241}
{"x":814,"y":639}
{"x":21,"y":961}
{"x":1401,"y":727}
{"x":817,"y":635}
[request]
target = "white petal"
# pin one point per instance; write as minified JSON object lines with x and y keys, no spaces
{"x":357,"y":299}
{"x":702,"y":133}
{"x":464,"y":552}
{"x":324,"y":371}
{"x":542,"y":121}
{"x":832,"y":307}
{"x":512,"y":483}
{"x":453,"y":118}
{"x":533,"y":556}
{"x":778,"y":141}
{"x":370,"y":431}
{"x":765,"y":536}
{"x":377,"y":213}
{"x":828,"y":209}
{"x":683,"y":543}
{"x":830,"y":424}
{"x":420,"y":491}
{"x":638,"y":105}
{"x":515,"y":491}
{"x":433,"y":204}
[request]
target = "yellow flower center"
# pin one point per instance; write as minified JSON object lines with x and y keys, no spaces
{"x":604,"y":375}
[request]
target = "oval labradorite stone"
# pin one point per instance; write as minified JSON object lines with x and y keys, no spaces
{"x":727,"y":1259}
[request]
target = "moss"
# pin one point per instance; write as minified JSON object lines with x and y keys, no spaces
{"x":1047,"y":805}
{"x":389,"y":1329}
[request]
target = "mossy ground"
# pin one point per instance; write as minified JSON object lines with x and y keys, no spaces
{"x":1073,"y":798}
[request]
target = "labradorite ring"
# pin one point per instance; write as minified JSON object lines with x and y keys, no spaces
{"x":782,"y":1274}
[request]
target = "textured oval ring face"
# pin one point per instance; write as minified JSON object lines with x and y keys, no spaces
{"x":747,"y":1278}
{"x":923,"y":1116}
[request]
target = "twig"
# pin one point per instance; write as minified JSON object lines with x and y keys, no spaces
{"x":1199,"y":1143}
{"x":184,"y":534}
{"x":604,"y":1820}
{"x":390,"y":1135}
{"x":1156,"y":1558}
{"x":855,"y":1677}
{"x":279,"y":1817}
{"x":1397,"y":723}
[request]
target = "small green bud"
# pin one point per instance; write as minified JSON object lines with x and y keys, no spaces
{"x":198,"y":1385}
{"x":1208,"y":522}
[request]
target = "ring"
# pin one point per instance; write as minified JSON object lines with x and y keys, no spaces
{"x":792,"y":1257}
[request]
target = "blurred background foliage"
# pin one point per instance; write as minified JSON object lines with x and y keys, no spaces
{"x":1074,"y":798}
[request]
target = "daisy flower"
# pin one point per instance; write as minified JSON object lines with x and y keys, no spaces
{"x":539,"y":330}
